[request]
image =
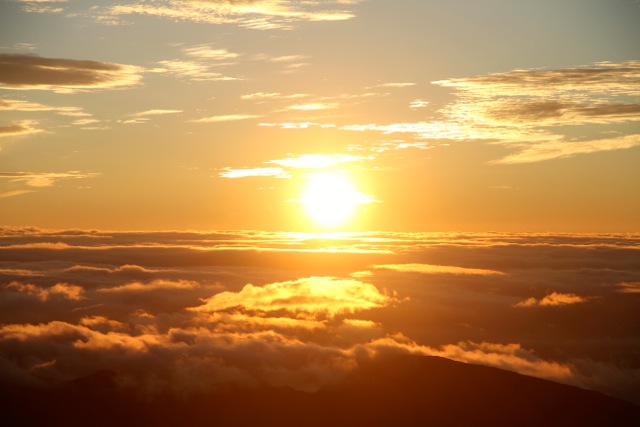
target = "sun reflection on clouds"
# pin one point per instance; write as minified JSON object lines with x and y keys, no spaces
{"x":309,"y":298}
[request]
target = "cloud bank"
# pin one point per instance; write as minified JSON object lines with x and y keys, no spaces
{"x":178,"y":312}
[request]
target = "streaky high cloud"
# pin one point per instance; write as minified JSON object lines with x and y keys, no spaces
{"x":30,"y":72}
{"x":259,"y":14}
{"x":23,"y":128}
{"x":561,"y":148}
{"x":139,"y":287}
{"x":629,"y":287}
{"x":20,"y":105}
{"x":316,"y":161}
{"x":225,"y":118}
{"x":158,"y":112}
{"x":193,"y":71}
{"x":522,"y":108}
{"x":253,"y":172}
{"x":525,"y":110}
{"x":436,"y":269}
{"x":44,"y":179}
{"x":604,"y":77}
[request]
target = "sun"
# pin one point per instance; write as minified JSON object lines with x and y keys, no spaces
{"x":330,"y":199}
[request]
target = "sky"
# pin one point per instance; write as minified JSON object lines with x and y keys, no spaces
{"x":420,"y":115}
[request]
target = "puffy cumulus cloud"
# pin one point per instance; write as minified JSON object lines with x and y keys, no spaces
{"x":258,"y":14}
{"x":61,"y":75}
{"x":436,"y":269}
{"x":183,"y":359}
{"x":62,"y":290}
{"x":553,"y":299}
{"x":101,"y":322}
{"x":313,"y":297}
{"x":44,"y":179}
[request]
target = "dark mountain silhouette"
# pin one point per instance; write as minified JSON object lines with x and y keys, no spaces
{"x":390,"y":391}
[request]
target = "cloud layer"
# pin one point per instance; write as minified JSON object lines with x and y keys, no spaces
{"x":177,"y":311}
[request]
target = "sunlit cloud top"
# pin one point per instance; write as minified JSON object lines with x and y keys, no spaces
{"x":311,"y":297}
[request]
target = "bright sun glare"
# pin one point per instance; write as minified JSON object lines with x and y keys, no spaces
{"x":330,"y":199}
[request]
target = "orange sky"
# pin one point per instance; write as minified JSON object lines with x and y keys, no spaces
{"x":513,"y":116}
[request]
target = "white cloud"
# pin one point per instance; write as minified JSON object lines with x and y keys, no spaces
{"x":225,"y":118}
{"x":254,"y":172}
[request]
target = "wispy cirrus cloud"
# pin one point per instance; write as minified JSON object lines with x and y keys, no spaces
{"x":317,"y":161}
{"x":225,"y":118}
{"x":145,"y":116}
{"x":30,"y":72}
{"x":557,"y":149}
{"x":29,"y":106}
{"x":202,"y":62}
{"x":521,"y":102}
{"x":288,"y":165}
{"x":193,"y":70}
{"x":254,"y":172}
{"x":526,"y":111}
{"x":436,"y":269}
{"x":258,"y":14}
{"x":44,"y":179}
{"x":155,"y":112}
{"x":42,"y":6}
{"x":629,"y":287}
